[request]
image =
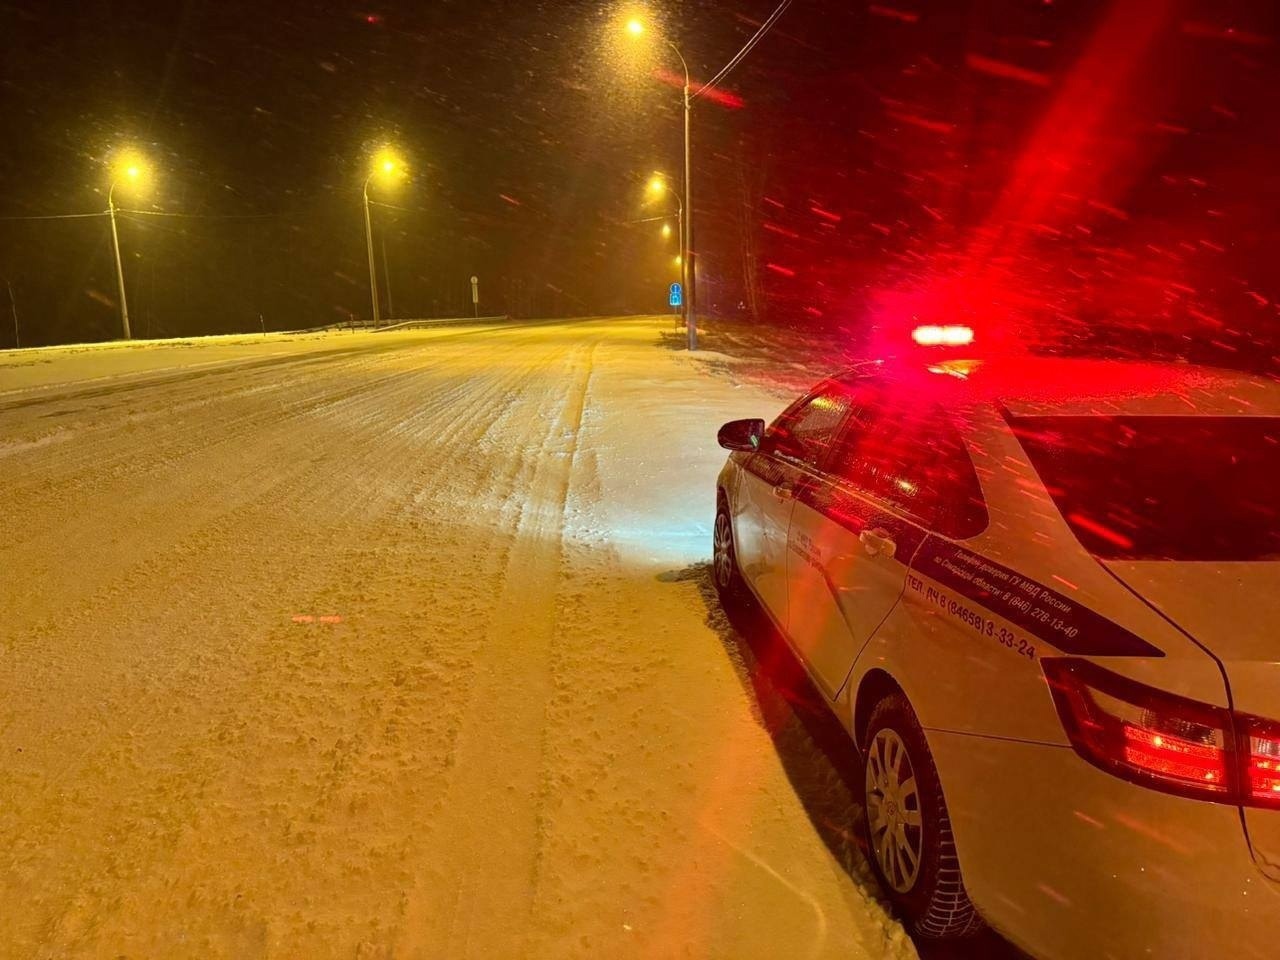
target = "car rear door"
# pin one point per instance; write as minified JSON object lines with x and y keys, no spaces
{"x":790,"y":452}
{"x":855,"y":529}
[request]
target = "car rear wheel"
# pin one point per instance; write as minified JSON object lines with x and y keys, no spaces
{"x":912,"y":851}
{"x":724,"y":558}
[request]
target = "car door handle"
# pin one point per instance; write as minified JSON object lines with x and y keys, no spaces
{"x":877,"y":542}
{"x":785,"y":491}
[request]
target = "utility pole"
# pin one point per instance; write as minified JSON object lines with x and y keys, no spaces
{"x":386,"y":276}
{"x":688,"y":265}
{"x":115,"y":244}
{"x":385,"y":163}
{"x":373,"y":272}
{"x":13,"y":307}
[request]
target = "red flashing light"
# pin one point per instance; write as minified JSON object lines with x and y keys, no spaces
{"x":935,"y":336}
{"x":1164,"y":741}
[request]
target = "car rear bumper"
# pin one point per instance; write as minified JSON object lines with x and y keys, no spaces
{"x":1071,"y":863}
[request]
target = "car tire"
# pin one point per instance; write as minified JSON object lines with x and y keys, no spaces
{"x":906,"y":817}
{"x":724,"y":555}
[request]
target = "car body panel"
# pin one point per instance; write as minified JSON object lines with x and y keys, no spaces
{"x":1233,"y":609}
{"x":764,"y":519}
{"x":1074,"y":864}
{"x":840,"y":587}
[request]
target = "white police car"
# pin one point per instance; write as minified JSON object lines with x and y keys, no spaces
{"x":1043,"y":596}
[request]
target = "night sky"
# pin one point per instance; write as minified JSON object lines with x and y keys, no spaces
{"x":1089,"y":171}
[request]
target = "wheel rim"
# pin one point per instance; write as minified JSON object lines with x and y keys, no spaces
{"x":723,"y":556}
{"x":893,"y":811}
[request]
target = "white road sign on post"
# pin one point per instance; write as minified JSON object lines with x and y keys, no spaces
{"x":475,"y":295}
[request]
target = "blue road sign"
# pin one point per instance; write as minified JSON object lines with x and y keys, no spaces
{"x":675,"y":297}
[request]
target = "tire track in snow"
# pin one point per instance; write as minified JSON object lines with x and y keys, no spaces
{"x":486,"y":828}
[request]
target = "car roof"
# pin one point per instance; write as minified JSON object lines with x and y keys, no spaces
{"x":1069,"y":386}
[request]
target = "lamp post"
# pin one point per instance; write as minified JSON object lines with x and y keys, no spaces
{"x":385,"y":164}
{"x":130,"y":168}
{"x":658,"y":186}
{"x":688,"y":261}
{"x":368,"y":237}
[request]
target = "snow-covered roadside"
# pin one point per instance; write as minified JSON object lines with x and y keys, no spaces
{"x":86,"y":362}
{"x":403,"y":652}
{"x":82,"y":363}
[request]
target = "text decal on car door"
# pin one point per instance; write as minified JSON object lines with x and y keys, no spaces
{"x":1033,"y":606}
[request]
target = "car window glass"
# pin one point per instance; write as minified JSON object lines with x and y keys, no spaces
{"x":912,"y":456}
{"x":1189,"y":488}
{"x":806,"y":431}
{"x":880,"y":453}
{"x":959,"y":509}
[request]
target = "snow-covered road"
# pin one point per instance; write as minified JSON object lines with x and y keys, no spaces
{"x":396,"y":645}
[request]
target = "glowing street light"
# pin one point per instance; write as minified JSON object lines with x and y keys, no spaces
{"x":129,"y":167}
{"x":636,"y":28}
{"x":386,"y":165}
{"x":657,"y":186}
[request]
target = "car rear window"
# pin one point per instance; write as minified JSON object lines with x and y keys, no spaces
{"x":1162,"y":488}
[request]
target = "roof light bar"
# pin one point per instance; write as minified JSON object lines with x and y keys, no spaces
{"x":948,"y":336}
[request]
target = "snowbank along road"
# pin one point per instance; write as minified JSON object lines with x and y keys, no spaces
{"x":396,"y":645}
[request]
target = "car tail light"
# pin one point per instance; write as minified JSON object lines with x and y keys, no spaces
{"x":1260,"y":741}
{"x":1165,"y":741}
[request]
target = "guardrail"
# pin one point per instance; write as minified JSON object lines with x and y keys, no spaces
{"x":440,"y":322}
{"x":395,"y":325}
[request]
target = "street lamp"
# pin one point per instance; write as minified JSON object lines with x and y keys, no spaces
{"x":658,"y":187}
{"x":130,"y":167}
{"x":636,"y":28}
{"x":386,"y":165}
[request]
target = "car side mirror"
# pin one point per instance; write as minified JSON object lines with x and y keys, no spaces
{"x":741,"y":435}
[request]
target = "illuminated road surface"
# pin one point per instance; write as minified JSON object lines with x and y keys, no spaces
{"x":395,"y":645}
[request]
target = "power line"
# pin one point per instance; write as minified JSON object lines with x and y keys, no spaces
{"x":746,"y":49}
{"x":208,"y":216}
{"x":392,"y":206}
{"x":60,"y":216}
